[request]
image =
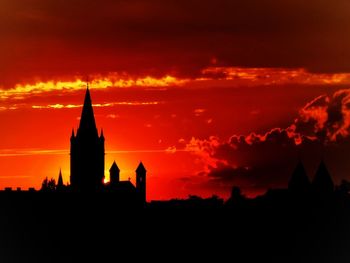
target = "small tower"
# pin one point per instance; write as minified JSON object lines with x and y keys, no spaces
{"x":323,"y":184}
{"x":60,"y":185}
{"x":299,"y":183}
{"x":141,"y":182}
{"x":114,"y":174}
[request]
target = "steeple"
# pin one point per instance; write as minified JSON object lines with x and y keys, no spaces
{"x":60,"y":179}
{"x":87,"y":154}
{"x":299,"y":183}
{"x":60,"y":186}
{"x":87,"y":126}
{"x":323,"y":182}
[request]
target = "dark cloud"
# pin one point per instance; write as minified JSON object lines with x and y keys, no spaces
{"x":257,"y":162}
{"x":48,"y":38}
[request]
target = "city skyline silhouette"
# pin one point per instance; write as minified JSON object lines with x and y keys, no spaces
{"x":87,"y":165}
{"x":174,"y":131}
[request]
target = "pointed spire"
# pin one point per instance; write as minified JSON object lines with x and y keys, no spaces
{"x":60,"y":179}
{"x":299,"y":182}
{"x":323,"y":182}
{"x":102,"y":136}
{"x":141,"y":168}
{"x":87,"y":126}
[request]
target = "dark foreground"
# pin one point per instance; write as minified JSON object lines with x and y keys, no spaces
{"x":72,"y":228}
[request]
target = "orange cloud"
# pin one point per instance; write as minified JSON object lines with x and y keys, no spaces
{"x":31,"y":152}
{"x":228,"y":76}
{"x":98,"y":105}
{"x":97,"y":82}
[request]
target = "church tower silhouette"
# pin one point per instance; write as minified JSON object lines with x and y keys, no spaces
{"x":87,"y":152}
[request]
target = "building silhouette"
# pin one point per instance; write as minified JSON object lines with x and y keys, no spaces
{"x":87,"y":152}
{"x":87,"y":161}
{"x":126,"y":188}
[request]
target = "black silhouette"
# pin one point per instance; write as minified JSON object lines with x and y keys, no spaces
{"x":87,"y":166}
{"x":114,"y":175}
{"x":48,"y":185}
{"x":323,"y":183}
{"x":60,"y":187}
{"x":299,"y":183}
{"x":87,"y":153}
{"x":141,"y":181}
{"x":294,"y":224}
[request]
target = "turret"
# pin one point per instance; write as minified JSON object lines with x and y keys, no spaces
{"x":141,"y":182}
{"x":114,"y":174}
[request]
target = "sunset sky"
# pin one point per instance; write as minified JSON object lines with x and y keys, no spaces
{"x":207,"y":94}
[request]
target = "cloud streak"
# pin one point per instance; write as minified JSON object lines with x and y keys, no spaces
{"x":209,"y":77}
{"x":270,"y":76}
{"x":35,"y":152}
{"x":97,"y":82}
{"x":98,"y":105}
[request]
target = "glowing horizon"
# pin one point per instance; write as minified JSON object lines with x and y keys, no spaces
{"x":208,"y":96}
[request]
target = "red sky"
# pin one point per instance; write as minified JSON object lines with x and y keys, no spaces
{"x":208,"y":94}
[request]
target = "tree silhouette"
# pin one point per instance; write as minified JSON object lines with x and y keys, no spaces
{"x":48,"y":185}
